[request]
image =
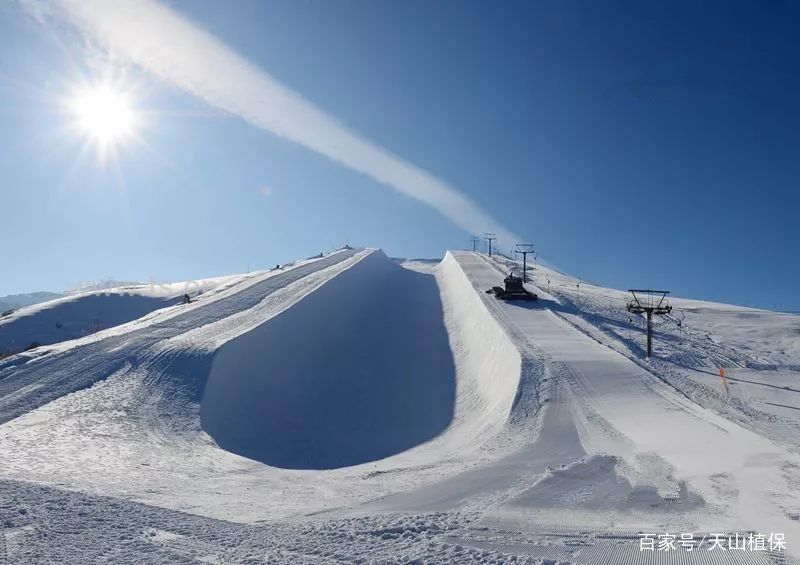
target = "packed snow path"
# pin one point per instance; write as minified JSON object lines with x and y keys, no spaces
{"x":40,"y":380}
{"x":397,"y":372}
{"x":548,"y":446}
{"x":673,"y":464}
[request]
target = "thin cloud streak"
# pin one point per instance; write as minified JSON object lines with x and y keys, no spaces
{"x":166,"y":44}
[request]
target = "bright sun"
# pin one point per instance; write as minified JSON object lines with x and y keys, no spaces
{"x":104,"y":113}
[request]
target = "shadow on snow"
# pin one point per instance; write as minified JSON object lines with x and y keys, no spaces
{"x":356,"y":371}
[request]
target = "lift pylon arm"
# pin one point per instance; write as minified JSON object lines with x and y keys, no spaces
{"x":649,"y":301}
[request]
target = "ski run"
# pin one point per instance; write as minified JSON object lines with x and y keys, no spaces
{"x":356,"y":408}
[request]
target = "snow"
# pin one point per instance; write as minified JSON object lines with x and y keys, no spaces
{"x":356,"y":408}
{"x":15,"y":301}
{"x":152,"y":404}
{"x":87,"y":311}
{"x":331,"y":382}
{"x":49,"y":525}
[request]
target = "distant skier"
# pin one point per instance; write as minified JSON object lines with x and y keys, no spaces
{"x":187,"y":299}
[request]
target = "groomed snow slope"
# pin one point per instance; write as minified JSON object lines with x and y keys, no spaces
{"x":31,"y":379}
{"x":618,"y":452}
{"x":362,"y":369}
{"x":341,"y":361}
{"x":759,"y":349}
{"x":333,"y":381}
{"x":542,"y":441}
{"x":84,"y":313}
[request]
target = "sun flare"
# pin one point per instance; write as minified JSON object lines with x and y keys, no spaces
{"x":104,"y":113}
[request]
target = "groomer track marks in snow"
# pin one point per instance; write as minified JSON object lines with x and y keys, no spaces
{"x":553,"y":446}
{"x":40,"y":380}
{"x":706,"y":473}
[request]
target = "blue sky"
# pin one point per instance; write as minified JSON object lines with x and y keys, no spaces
{"x":635,"y":145}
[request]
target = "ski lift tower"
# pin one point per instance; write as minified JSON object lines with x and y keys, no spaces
{"x":523,"y":249}
{"x":490,"y":237}
{"x":649,"y":302}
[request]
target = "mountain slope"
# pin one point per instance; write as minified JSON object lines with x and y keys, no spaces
{"x":351,"y":388}
{"x":15,"y":301}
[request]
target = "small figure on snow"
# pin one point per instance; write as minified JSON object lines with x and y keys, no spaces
{"x":186,"y":298}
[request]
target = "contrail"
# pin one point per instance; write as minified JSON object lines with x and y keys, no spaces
{"x":166,"y":44}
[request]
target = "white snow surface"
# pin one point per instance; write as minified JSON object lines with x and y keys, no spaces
{"x":86,"y":311}
{"x":355,"y":408}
